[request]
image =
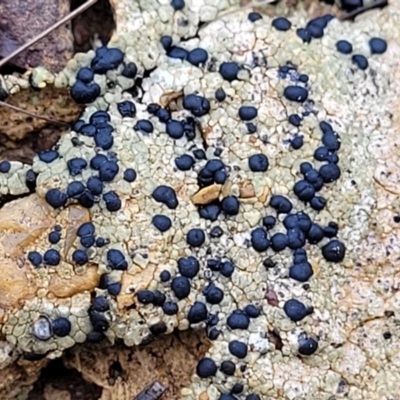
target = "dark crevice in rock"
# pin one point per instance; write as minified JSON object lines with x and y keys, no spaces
{"x":59,"y":377}
{"x":97,"y":22}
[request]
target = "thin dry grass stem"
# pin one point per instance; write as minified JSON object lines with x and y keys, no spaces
{"x":20,"y":110}
{"x":61,"y":22}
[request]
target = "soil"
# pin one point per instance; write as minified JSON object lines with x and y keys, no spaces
{"x":58,"y":382}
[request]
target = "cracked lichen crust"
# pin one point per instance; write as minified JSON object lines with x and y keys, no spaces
{"x":214,"y":211}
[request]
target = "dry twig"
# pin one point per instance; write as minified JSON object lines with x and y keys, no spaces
{"x":62,"y":21}
{"x":5,"y":60}
{"x":15,"y":108}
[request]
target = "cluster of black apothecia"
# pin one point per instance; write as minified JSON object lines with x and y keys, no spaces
{"x":299,"y":227}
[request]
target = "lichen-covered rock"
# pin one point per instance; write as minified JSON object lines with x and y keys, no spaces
{"x":248,"y":188}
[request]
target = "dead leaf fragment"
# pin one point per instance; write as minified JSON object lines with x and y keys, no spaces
{"x":226,"y":189}
{"x":264,"y":195}
{"x":206,"y":195}
{"x":204,"y":396}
